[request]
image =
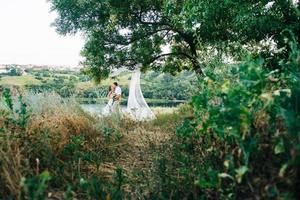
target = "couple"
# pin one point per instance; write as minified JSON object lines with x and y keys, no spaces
{"x":114,"y":98}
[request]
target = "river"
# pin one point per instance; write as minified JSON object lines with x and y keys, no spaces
{"x":97,"y":108}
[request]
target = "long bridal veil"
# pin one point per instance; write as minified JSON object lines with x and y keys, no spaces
{"x":137,"y":106}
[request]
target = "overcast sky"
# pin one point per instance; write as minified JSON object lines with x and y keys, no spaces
{"x":27,"y":38}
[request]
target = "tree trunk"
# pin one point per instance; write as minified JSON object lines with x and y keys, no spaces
{"x":197,"y":68}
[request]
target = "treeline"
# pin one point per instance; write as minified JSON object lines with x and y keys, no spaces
{"x":154,"y":85}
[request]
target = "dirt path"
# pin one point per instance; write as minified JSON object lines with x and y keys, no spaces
{"x":138,"y":153}
{"x":139,"y":160}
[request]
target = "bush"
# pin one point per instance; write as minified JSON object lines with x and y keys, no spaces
{"x":244,"y":140}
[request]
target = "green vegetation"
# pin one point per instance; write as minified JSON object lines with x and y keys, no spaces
{"x":49,"y":146}
{"x":19,"y":80}
{"x":157,"y":87}
{"x":126,"y":33}
{"x":243,"y":139}
{"x":237,"y":138}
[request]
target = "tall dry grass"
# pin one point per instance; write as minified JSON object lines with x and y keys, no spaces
{"x":73,"y":146}
{"x":11,"y":169}
{"x":60,"y":118}
{"x":59,"y":134}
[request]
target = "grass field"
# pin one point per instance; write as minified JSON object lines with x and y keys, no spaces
{"x":123,"y":79}
{"x":19,"y":80}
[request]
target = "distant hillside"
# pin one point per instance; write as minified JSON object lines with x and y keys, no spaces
{"x":155,"y":85}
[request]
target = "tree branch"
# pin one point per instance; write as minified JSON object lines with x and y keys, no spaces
{"x":172,"y":54}
{"x":132,"y":40}
{"x":188,"y":38}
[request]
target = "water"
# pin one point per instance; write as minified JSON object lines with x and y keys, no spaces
{"x":151,"y":103}
{"x":96,"y":108}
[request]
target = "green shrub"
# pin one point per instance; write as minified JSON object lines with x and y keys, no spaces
{"x":244,"y":139}
{"x":35,"y":187}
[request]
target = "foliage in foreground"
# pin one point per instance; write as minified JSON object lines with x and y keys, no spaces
{"x":49,"y":148}
{"x":244,"y":140}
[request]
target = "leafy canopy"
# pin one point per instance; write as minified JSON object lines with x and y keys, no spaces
{"x":127,"y":33}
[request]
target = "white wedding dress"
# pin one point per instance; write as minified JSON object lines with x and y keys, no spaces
{"x":137,"y":107}
{"x":107,"y":110}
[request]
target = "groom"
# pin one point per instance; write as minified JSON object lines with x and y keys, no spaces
{"x":118,"y":92}
{"x":116,"y":97}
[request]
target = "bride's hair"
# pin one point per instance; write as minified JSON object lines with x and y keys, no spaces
{"x":109,"y":89}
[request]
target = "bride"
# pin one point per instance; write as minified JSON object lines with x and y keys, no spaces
{"x":107,"y":110}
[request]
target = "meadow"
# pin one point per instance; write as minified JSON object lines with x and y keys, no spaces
{"x":98,"y":158}
{"x":19,"y":80}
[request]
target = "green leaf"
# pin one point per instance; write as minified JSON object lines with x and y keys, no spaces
{"x":283,"y":169}
{"x":279,"y":148}
{"x":240,"y":172}
{"x":272,"y":190}
{"x":225,"y":175}
{"x":45,"y":175}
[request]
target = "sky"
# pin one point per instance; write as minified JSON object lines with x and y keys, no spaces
{"x":26,"y":36}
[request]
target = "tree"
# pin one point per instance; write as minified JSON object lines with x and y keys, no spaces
{"x":14,"y":71}
{"x":130,"y":32}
